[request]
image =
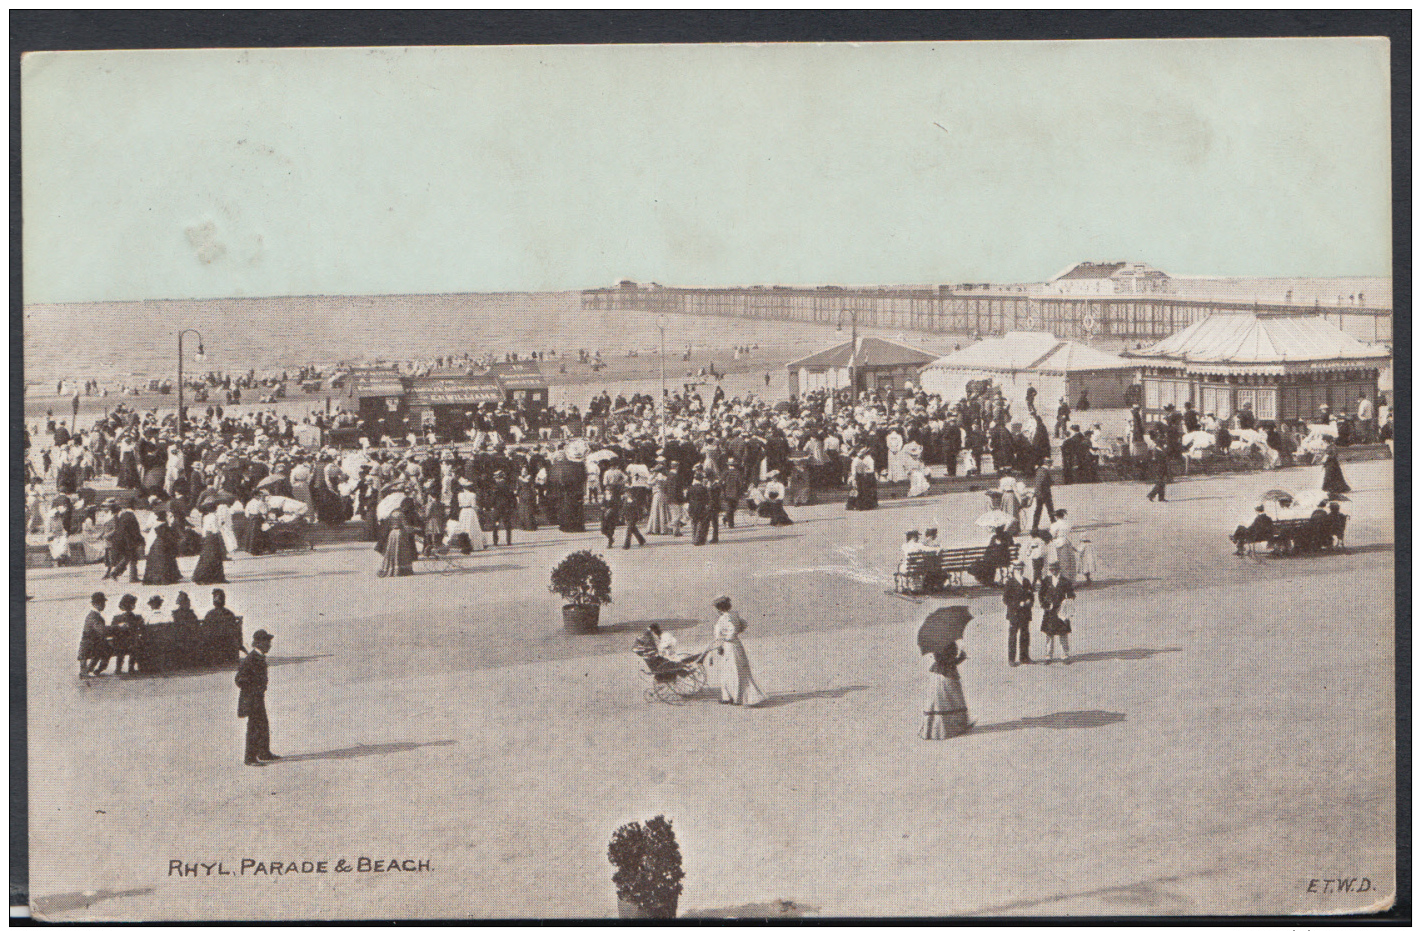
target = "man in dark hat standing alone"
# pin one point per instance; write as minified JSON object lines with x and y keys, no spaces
{"x":251,"y":703}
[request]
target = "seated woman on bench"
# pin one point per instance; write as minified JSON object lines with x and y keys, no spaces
{"x":997,"y":556}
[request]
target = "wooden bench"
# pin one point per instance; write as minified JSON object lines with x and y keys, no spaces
{"x":168,"y":646}
{"x":931,"y":570}
{"x":1286,"y":533}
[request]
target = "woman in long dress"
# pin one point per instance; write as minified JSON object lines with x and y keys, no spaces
{"x":464,"y":530}
{"x":527,"y":502}
{"x":946,"y":712}
{"x":161,"y":567}
{"x":209,"y":561}
{"x":659,"y":520}
{"x":399,"y":548}
{"x":1332,"y":481}
{"x":737,"y":685}
{"x":918,"y":483}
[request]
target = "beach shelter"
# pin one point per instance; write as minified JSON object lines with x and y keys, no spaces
{"x":1019,"y":360}
{"x":1283,"y":364}
{"x":875,"y":363}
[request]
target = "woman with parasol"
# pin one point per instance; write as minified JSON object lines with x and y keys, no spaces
{"x":946,"y":713}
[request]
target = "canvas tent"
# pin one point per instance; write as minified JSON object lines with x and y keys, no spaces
{"x":876,"y":363}
{"x":1016,"y":361}
{"x":1282,"y":364}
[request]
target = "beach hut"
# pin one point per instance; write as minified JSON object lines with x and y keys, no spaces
{"x":448,"y":402}
{"x":875,"y":363}
{"x":1056,"y":368}
{"x":380,"y":405}
{"x":1284,"y":364}
{"x":522,"y":382}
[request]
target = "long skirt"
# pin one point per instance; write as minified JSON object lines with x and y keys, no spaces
{"x":775,"y":511}
{"x":571,"y":518}
{"x":255,"y":541}
{"x":1065,"y":554}
{"x":209,"y":562}
{"x":737,"y":685}
{"x":399,"y":554}
{"x":918,"y":483}
{"x":946,"y":712}
{"x":659,"y":519}
{"x":527,"y":515}
{"x":867,"y":484}
{"x":1332,"y":481}
{"x":161,"y":566}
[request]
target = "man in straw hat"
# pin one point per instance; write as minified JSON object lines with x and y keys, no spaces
{"x":251,"y":703}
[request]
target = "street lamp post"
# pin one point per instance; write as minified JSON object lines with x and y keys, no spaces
{"x":182,"y":417}
{"x":853,"y":352}
{"x":661,"y":401}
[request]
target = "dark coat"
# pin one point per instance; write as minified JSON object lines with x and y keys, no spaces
{"x":1018,"y":597}
{"x":251,"y":679}
{"x":698,"y":501}
{"x":127,"y":539}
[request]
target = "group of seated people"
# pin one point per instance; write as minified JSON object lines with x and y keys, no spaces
{"x":1324,"y":529}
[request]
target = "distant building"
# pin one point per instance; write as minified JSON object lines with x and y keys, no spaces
{"x":1093,"y":278}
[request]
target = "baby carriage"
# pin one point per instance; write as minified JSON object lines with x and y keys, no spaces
{"x":672,"y":680}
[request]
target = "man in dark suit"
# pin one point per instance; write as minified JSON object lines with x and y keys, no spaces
{"x":1018,"y":598}
{"x":251,"y":703}
{"x":698,"y":504}
{"x":732,"y":489}
{"x":126,"y":544}
{"x":1042,"y":494}
{"x":1256,"y":532}
{"x":1159,"y":470}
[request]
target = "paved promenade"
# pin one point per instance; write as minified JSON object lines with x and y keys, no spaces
{"x":1224,"y":737}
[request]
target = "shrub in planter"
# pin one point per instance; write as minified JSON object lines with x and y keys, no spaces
{"x":648,"y":876}
{"x":584,"y":580}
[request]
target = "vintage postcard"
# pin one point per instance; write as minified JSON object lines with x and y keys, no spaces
{"x":813,"y":481}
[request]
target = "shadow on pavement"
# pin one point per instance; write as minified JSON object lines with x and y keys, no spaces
{"x":789,"y":698}
{"x":49,"y":904}
{"x":453,"y":566}
{"x":1058,"y":721}
{"x":348,"y":753}
{"x":202,"y":671}
{"x":1132,"y":653}
{"x":1149,"y":895}
{"x":626,"y":627}
{"x":1097,"y":584}
{"x":766,"y":539}
{"x":780,"y":908}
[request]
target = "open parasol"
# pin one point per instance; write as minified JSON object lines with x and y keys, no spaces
{"x":991,"y":520}
{"x":389,"y":504}
{"x":594,"y":458}
{"x":1278,"y":497}
{"x":943,"y":628}
{"x":270,"y":481}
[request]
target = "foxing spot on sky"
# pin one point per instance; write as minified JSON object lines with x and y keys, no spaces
{"x":195,"y":174}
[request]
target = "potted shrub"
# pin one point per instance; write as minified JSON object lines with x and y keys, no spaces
{"x":649,"y":874}
{"x":584,"y":580}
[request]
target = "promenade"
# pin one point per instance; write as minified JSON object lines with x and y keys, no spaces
{"x":1224,"y":737}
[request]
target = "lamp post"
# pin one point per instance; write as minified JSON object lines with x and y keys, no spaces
{"x":853,"y":352}
{"x":182,"y":418}
{"x":661,"y":401}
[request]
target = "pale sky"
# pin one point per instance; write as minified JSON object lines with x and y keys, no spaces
{"x":351,"y":171}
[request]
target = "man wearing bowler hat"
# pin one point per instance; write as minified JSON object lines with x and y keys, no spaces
{"x":251,"y":704}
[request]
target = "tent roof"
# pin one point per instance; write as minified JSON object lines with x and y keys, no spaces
{"x":873,"y":352}
{"x":1261,"y":338}
{"x":1031,"y":352}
